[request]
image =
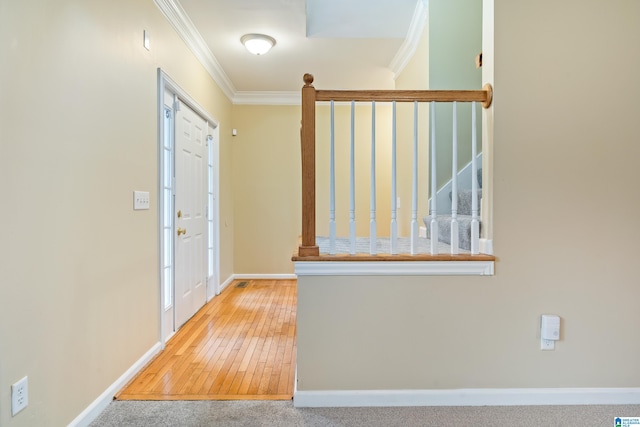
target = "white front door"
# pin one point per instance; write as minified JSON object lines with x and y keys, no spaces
{"x":190,"y":214}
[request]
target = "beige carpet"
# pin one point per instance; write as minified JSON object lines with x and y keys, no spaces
{"x":274,"y":413}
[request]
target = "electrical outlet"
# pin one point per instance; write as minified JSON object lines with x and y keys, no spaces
{"x":19,"y":396}
{"x":547,"y":344}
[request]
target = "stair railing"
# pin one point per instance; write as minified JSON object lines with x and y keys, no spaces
{"x":310,"y":96}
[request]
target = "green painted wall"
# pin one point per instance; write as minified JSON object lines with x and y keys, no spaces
{"x":455,"y":39}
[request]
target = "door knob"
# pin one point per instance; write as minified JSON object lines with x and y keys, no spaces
{"x":182,"y":231}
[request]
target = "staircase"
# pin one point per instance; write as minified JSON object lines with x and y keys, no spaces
{"x":463,"y":217}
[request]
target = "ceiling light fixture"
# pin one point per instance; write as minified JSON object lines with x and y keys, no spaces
{"x":258,"y":44}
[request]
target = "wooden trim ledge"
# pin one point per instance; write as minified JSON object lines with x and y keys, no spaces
{"x":394,"y":268}
{"x":392,"y":258}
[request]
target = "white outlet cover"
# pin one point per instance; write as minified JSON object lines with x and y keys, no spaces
{"x":19,"y":396}
{"x":547,"y":344}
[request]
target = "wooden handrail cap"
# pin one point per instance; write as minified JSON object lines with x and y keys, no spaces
{"x":489,"y":89}
{"x":308,"y":79}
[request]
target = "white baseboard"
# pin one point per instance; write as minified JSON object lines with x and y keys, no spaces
{"x":224,"y":284}
{"x":97,"y":406}
{"x":264,"y":276}
{"x":254,"y":276}
{"x":467,"y":397}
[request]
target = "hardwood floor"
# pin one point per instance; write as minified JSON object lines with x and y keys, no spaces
{"x":240,"y":346}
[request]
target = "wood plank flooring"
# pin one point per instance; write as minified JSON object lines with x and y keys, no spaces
{"x":240,"y":346}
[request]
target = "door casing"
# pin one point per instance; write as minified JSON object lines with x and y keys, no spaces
{"x":167,"y":88}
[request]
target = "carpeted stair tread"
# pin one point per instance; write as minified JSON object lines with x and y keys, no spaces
{"x":465,"y":198}
{"x":444,"y":229}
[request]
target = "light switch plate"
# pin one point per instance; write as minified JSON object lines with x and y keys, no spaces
{"x":140,"y":200}
{"x":146,"y":42}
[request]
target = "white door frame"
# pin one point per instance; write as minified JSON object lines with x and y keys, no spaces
{"x":167,"y":86}
{"x":213,"y":144}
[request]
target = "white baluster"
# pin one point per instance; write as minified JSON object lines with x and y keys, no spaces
{"x":454,"y":184}
{"x":352,"y":185}
{"x":394,"y":207}
{"x":332,"y":189}
{"x":475,"y":224}
{"x":372,"y":207}
{"x":414,"y":186}
{"x":434,"y":185}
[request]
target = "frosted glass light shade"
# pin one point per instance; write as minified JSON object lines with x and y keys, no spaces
{"x":258,"y":44}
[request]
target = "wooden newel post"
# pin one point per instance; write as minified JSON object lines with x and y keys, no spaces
{"x":308,"y":246}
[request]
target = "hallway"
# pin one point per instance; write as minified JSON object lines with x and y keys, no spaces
{"x":239,"y":346}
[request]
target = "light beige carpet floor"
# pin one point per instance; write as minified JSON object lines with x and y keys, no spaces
{"x":279,"y":413}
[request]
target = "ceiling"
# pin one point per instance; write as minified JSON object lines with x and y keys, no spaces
{"x":345,"y":44}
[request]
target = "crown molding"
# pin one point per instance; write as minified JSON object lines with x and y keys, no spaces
{"x":410,"y":44}
{"x":178,"y":18}
{"x":180,"y":21}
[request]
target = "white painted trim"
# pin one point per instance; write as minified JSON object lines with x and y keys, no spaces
{"x":97,"y":406}
{"x":180,"y":21}
{"x":168,"y":85}
{"x":486,"y":246}
{"x":264,"y":276}
{"x":185,"y":28}
{"x":167,"y":339}
{"x":224,"y":284}
{"x":233,"y":277}
{"x":161,"y":202}
{"x":410,"y":44}
{"x":467,"y":397}
{"x":213,"y":289}
{"x":394,"y":268}
{"x":268,"y":98}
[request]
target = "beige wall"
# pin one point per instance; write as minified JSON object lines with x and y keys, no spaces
{"x":266,"y":188}
{"x":362,"y":176}
{"x":80,"y":266}
{"x":79,"y":296}
{"x":266,"y":179}
{"x":266,"y":172}
{"x":414,"y":76}
{"x":565,"y":153}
